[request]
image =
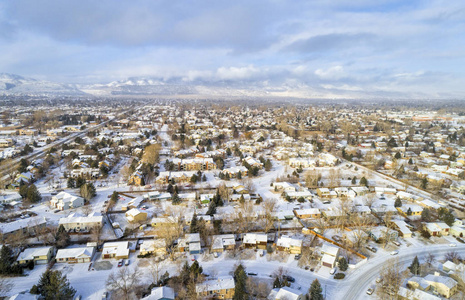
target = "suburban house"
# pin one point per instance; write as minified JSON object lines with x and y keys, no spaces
{"x":75,"y":255}
{"x":457,"y":231}
{"x":40,"y":255}
{"x":135,"y":216}
{"x":76,"y":223}
{"x":221,"y":288}
{"x":223,"y":242}
{"x":137,"y":179}
{"x":402,"y":228}
{"x":118,"y":250}
{"x":23,"y":226}
{"x":326,"y":193}
{"x":307,"y":213}
{"x":161,"y":293}
{"x":329,"y":255}
{"x":444,"y":285}
{"x":194,"y":164}
{"x":191,"y":243}
{"x":10,"y":197}
{"x":232,"y":172}
{"x":64,"y":200}
{"x":433,"y":229}
{"x":381,"y":233}
{"x":306,"y":195}
{"x":255,"y":240}
{"x":286,"y":293}
{"x":289,"y":244}
{"x":155,"y":246}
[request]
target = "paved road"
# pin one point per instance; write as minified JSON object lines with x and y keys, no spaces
{"x":364,"y":277}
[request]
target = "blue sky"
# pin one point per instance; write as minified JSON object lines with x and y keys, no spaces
{"x":338,"y":45}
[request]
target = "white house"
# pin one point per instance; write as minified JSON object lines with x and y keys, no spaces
{"x":64,"y":200}
{"x":75,"y":255}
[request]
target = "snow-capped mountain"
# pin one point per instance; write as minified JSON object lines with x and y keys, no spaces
{"x":11,"y":84}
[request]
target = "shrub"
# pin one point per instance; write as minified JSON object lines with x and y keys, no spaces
{"x":339,"y":276}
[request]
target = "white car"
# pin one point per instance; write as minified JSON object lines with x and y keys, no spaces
{"x":370,"y":291}
{"x":452,"y":245}
{"x":333,"y":270}
{"x":395,"y":252}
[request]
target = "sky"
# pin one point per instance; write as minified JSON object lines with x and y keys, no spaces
{"x":337,"y":45}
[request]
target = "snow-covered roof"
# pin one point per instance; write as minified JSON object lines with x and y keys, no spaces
{"x":222,"y":283}
{"x":31,"y":253}
{"x":75,"y":252}
{"x":22,"y":223}
{"x":162,"y":292}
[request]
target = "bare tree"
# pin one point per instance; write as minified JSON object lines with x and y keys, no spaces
{"x":154,"y":268}
{"x":151,"y":154}
{"x":123,"y":282}
{"x":453,"y":256}
{"x":392,"y":276}
{"x":268,"y":209}
{"x":334,"y":177}
{"x":125,"y":172}
{"x":96,"y":232}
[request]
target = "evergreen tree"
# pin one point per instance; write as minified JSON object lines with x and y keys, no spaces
{"x":175,"y":199}
{"x":354,"y":180}
{"x":397,"y":156}
{"x":315,"y":292}
{"x":80,"y":181}
{"x":71,"y":183}
{"x":426,"y":215}
{"x":415,"y":266}
{"x":398,"y":202}
{"x":33,"y":194}
{"x":424,"y":183}
{"x":53,"y":285}
{"x":364,"y":181}
{"x":343,"y":265}
{"x":211,"y":208}
{"x":240,"y":278}
{"x":62,"y":238}
{"x":409,"y":211}
{"x":410,"y":161}
{"x":194,"y":226}
{"x":6,"y":259}
{"x":268,"y":165}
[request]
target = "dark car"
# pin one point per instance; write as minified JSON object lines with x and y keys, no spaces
{"x":289,"y":278}
{"x":120,"y":263}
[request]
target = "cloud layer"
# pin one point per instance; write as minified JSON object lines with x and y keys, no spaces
{"x":375,"y":46}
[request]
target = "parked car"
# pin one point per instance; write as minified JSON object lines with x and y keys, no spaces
{"x":252,"y":274}
{"x":104,"y":295}
{"x":289,"y":278}
{"x":396,"y":243}
{"x":120,"y":263}
{"x":297,"y":256}
{"x":452,"y":245}
{"x":370,"y":291}
{"x":262,"y":253}
{"x":395,"y":252}
{"x":332,"y":271}
{"x":372,"y":249}
{"x":337,"y":238}
{"x":126,"y":263}
{"x":379,"y":279}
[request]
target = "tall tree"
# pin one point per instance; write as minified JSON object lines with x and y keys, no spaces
{"x":123,"y":282}
{"x":194,"y":226}
{"x":240,"y":278}
{"x":315,"y":292}
{"x":53,"y":285}
{"x":415,"y":266}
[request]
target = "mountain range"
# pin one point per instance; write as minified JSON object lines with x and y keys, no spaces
{"x":11,"y":84}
